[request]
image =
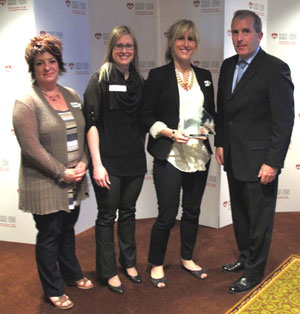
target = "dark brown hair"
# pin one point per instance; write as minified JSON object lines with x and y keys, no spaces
{"x":41,"y":44}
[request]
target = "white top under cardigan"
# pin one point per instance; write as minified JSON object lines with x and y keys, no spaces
{"x":192,"y":156}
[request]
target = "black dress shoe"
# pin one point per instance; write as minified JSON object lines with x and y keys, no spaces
{"x":244,"y":284}
{"x":233,"y":268}
{"x":196,"y":273}
{"x":135,"y":279}
{"x":155,"y":282}
{"x":119,"y":289}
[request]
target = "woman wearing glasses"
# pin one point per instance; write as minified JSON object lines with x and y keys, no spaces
{"x":118,"y":163}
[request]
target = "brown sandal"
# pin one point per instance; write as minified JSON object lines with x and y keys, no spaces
{"x":81,"y":284}
{"x":60,"y":302}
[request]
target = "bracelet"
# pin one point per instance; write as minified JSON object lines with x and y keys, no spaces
{"x":173,"y":135}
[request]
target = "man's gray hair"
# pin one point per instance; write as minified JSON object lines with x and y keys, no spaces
{"x":241,"y":14}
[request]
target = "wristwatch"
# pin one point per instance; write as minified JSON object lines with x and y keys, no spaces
{"x":173,"y":135}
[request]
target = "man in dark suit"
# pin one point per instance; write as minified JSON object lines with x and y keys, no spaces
{"x":254,"y":126}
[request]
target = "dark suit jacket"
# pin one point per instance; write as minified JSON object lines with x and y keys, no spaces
{"x":255,"y":122}
{"x":160,"y":102}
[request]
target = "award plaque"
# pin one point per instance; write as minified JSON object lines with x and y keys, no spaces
{"x":199,"y":125}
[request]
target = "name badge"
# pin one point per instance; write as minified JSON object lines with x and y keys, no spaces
{"x":117,"y":88}
{"x":75,"y":105}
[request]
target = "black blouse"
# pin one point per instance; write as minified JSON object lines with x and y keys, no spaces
{"x":121,"y":142}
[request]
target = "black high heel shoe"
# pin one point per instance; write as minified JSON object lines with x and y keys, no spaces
{"x":135,"y":279}
{"x":156,"y":281}
{"x":119,"y":289}
{"x":196,"y":273}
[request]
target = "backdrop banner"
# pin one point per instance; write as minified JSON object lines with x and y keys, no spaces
{"x":83,"y":26}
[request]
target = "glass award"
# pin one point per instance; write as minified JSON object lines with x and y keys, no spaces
{"x":201,"y":124}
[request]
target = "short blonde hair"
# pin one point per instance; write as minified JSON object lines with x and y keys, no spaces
{"x":177,"y":30}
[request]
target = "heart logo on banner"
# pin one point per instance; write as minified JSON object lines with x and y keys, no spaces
{"x":130,"y":5}
{"x":196,"y":63}
{"x":42,"y":33}
{"x":250,"y":5}
{"x":68,"y":3}
{"x":298,"y":167}
{"x":8,"y":68}
{"x":2,"y":2}
{"x":229,"y":32}
{"x":225,"y":204}
{"x":71,"y":65}
{"x":196,"y":3}
{"x":166,"y":34}
{"x":274,"y":35}
{"x":98,"y":35}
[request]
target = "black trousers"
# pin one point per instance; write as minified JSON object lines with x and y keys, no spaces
{"x":122,"y":195}
{"x":168,"y":182}
{"x":253,"y":209}
{"x":55,"y":251}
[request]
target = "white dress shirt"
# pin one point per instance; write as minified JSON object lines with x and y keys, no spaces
{"x":192,"y":156}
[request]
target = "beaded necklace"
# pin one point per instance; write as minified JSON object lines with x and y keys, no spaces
{"x":53,"y":98}
{"x":186,"y":86}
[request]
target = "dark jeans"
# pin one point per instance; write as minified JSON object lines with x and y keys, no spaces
{"x":168,"y":182}
{"x":122,"y":195}
{"x":253,"y":209}
{"x":55,"y":251}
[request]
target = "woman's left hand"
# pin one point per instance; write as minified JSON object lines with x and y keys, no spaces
{"x":181,"y":137}
{"x":176,"y":135}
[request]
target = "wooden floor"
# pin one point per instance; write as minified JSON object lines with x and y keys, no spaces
{"x":20,"y":289}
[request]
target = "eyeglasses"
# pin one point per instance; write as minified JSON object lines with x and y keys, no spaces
{"x":121,"y":46}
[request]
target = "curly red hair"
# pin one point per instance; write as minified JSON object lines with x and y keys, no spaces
{"x":40,"y":44}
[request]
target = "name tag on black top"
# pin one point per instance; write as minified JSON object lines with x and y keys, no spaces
{"x":117,"y":88}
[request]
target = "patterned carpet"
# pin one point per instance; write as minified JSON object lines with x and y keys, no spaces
{"x":279,"y":293}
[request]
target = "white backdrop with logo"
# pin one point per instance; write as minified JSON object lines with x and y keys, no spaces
{"x":83,"y":25}
{"x":213,"y":20}
{"x":17,"y":26}
{"x":283,"y":39}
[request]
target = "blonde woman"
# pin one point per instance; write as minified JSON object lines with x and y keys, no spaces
{"x":173,"y":92}
{"x":111,"y":107}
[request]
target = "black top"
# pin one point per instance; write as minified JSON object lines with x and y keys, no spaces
{"x":121,"y":142}
{"x":160,"y":102}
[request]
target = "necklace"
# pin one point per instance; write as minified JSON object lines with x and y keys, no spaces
{"x":186,"y":86}
{"x":51,"y":97}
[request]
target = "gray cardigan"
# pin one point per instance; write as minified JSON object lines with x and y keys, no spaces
{"x":42,"y":137}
